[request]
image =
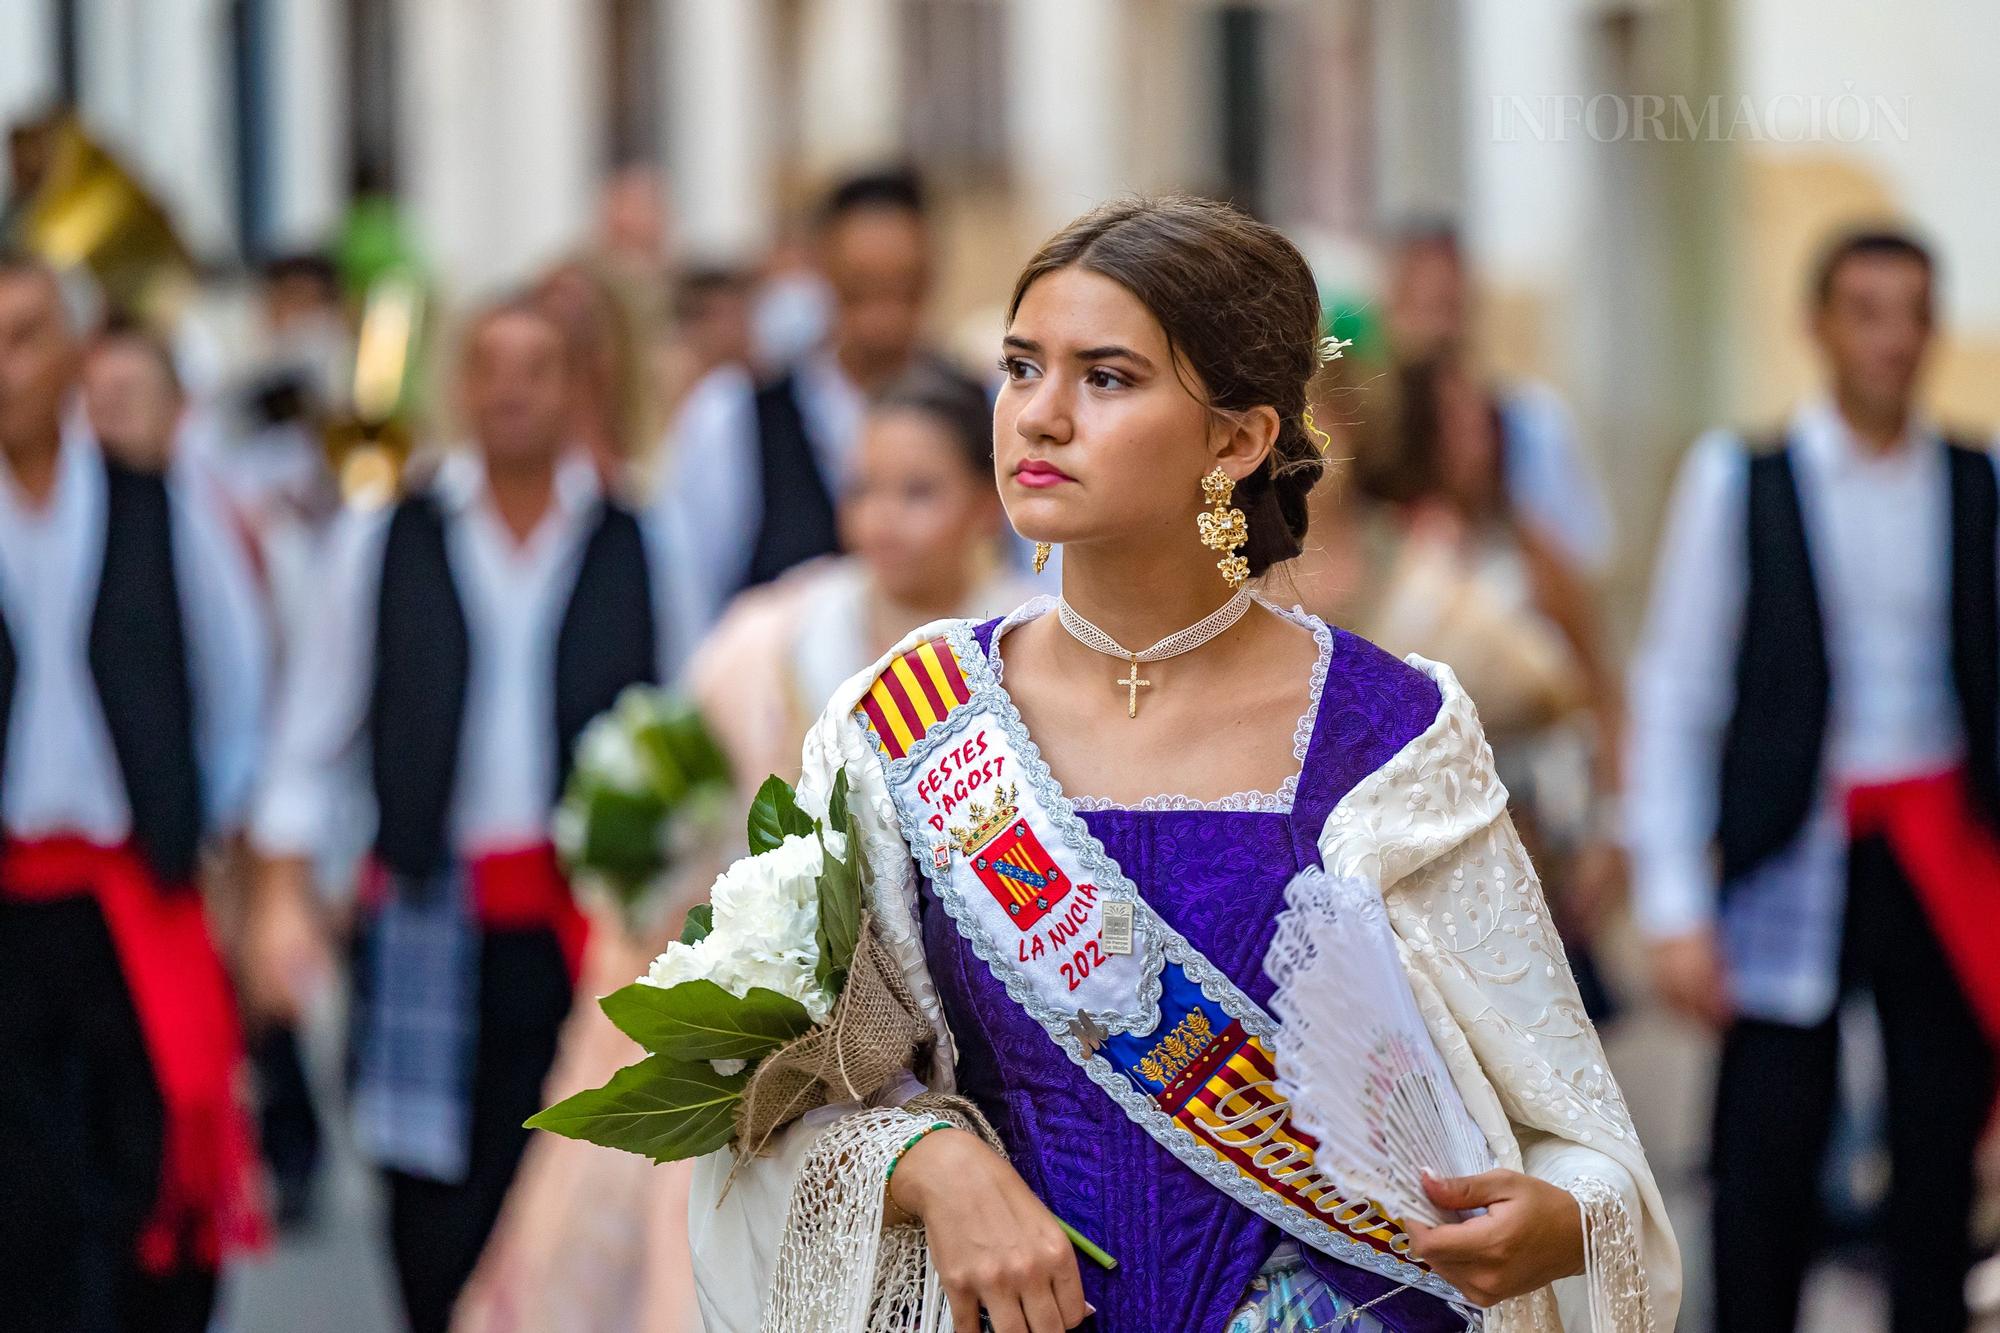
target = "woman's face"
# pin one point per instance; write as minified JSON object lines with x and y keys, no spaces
{"x":1095,"y":437}
{"x":915,"y":513}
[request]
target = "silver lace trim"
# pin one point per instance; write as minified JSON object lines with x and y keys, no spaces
{"x":1277,"y":802}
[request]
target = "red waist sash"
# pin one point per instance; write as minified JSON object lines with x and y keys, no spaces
{"x":209,"y":1202}
{"x":1952,"y":859}
{"x":519,"y":889}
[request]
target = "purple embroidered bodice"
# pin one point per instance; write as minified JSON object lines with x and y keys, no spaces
{"x":1186,"y":1252}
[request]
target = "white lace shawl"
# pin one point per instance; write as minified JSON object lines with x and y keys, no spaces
{"x":1482,"y":956}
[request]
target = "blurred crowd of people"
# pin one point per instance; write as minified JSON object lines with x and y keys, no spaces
{"x":377,"y":636}
{"x":1794,"y":784}
{"x":265,"y":742}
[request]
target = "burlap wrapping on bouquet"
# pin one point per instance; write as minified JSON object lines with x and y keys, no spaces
{"x":874,"y":1033}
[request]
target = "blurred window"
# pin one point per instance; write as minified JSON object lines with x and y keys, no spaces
{"x":250,"y":37}
{"x":955,"y":88}
{"x":371,"y":95}
{"x":69,"y":51}
{"x":1243,"y":44}
{"x":633,"y":62}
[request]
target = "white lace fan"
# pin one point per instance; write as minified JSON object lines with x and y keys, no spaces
{"x":1353,"y":1054}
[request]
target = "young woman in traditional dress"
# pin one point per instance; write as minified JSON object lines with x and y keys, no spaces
{"x":1082,"y":870}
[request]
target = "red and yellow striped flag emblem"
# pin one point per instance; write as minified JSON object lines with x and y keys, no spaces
{"x":913,"y":695}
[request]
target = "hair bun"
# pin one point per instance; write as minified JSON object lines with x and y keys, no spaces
{"x":1278,"y":530}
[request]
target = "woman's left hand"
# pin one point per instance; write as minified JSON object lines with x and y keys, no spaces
{"x":1530,"y":1235}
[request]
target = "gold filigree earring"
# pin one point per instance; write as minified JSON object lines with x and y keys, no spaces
{"x":1222,"y":528}
{"x":1042,"y":550}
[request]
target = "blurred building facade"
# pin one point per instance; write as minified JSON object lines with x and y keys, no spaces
{"x":493,"y":119}
{"x":1639,"y":181}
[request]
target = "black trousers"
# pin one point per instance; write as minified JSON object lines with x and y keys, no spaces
{"x":288,"y":1129}
{"x":1774,"y":1106}
{"x":81,"y":1130}
{"x":436,"y":1230}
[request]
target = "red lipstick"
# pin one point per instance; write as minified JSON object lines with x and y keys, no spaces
{"x":1040,"y":474}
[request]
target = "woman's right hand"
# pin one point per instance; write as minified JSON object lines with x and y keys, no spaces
{"x":993,"y":1243}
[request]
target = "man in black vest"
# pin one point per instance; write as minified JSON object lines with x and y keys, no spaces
{"x":132,"y":680}
{"x":756,"y":468}
{"x":1812,"y":772}
{"x":467,"y":636}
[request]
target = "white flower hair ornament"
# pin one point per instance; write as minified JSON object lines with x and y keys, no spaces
{"x":1328,"y":350}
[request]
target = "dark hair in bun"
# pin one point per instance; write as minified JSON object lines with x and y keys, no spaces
{"x":1239,"y":306}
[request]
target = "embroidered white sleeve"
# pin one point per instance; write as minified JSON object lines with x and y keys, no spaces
{"x":1475,"y":921}
{"x":1432,"y":828}
{"x":1613,"y":1294}
{"x":1494,"y":984}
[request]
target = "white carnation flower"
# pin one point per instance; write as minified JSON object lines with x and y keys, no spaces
{"x":608,"y":753}
{"x":681,"y":962}
{"x":640,"y":706}
{"x":766,"y":930}
{"x":728,"y":1067}
{"x":570,"y":829}
{"x":789,"y":870}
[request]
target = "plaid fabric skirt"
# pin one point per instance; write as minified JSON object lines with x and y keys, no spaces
{"x":1286,"y":1296}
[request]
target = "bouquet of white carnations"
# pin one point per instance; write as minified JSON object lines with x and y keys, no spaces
{"x":777,"y":998}
{"x":649,"y":786}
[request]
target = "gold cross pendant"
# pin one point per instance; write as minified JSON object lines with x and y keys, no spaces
{"x":1132,"y":684}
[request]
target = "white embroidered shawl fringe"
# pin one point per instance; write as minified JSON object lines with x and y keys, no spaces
{"x":839,"y":1267}
{"x":1613,"y":1269}
{"x":1614,"y":1273}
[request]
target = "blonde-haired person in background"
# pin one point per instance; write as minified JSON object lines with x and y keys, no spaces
{"x":1427,"y":551}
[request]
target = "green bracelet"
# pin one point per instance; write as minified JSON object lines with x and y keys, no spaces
{"x":912,"y":1142}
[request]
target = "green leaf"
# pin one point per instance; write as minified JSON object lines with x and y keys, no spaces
{"x":698,"y":1020}
{"x":775,"y":815}
{"x":852,"y":828}
{"x":836,"y":802}
{"x":659,"y":1108}
{"x":839,"y":892}
{"x":621,"y":832}
{"x":839,"y":914}
{"x":670,"y":778}
{"x":700,"y":921}
{"x":687,"y":735}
